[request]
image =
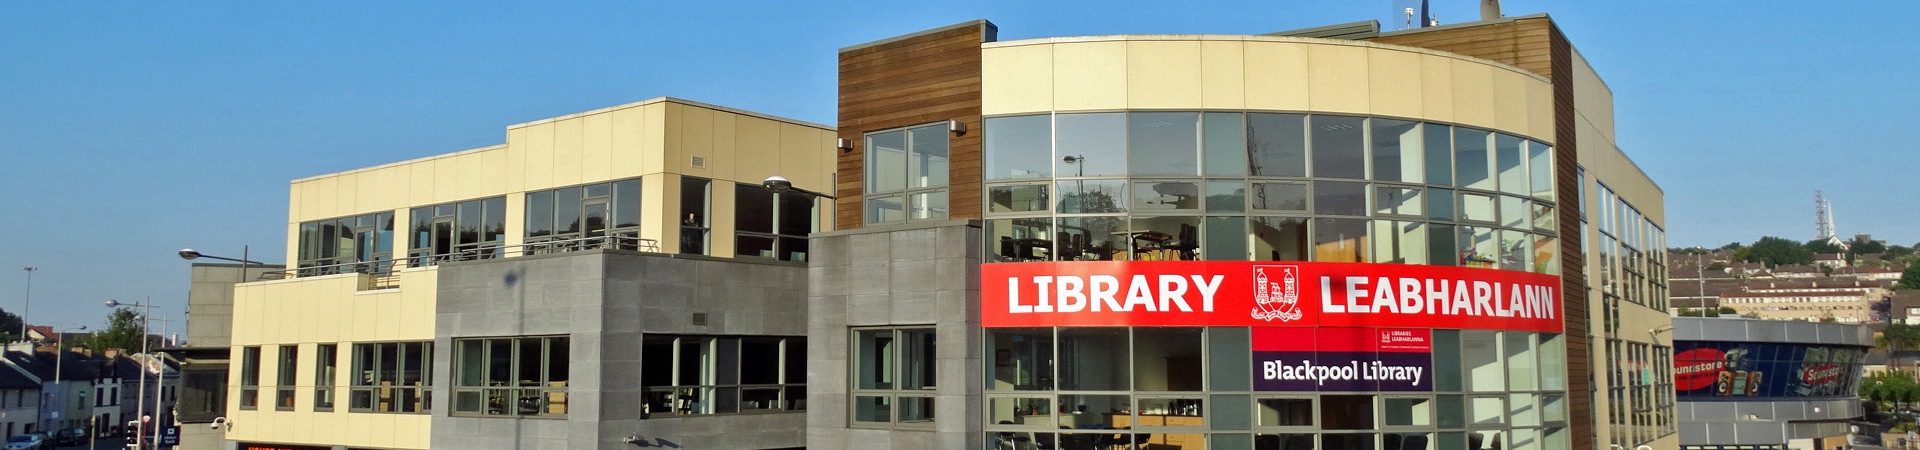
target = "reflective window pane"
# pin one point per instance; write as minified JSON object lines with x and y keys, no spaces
{"x":1441,"y":249}
{"x":1346,"y":412}
{"x":1170,"y":238}
{"x":1225,"y":143}
{"x":1409,"y":412}
{"x":927,"y":164}
{"x":1340,"y":240}
{"x":1092,"y":196}
{"x":1473,"y":166}
{"x":1022,"y":359}
{"x":1510,"y":156}
{"x":1020,"y":198}
{"x":1225,"y":238}
{"x":1280,"y":196}
{"x":1439,"y":153}
{"x":1276,"y":145}
{"x":797,"y":215}
{"x":1540,"y":162}
{"x":1168,"y":359}
{"x":1440,"y":204}
{"x":1091,"y":145}
{"x":1514,"y":212}
{"x":1013,"y":240}
{"x":1094,"y":359}
{"x":1397,"y":151}
{"x":1339,"y":149}
{"x":1099,"y":238}
{"x":1340,"y":198}
{"x":931,"y":205}
{"x":887,"y":161}
{"x":1280,"y":238}
{"x":1398,"y":200}
{"x":1226,"y":196}
{"x":1286,"y":412}
{"x":1476,"y":207}
{"x":1165,"y":196}
{"x":1018,"y":148}
{"x":1164,"y":143}
{"x":1400,"y":242}
{"x":753,"y":209}
{"x":886,"y":209}
{"x":1478,"y":247}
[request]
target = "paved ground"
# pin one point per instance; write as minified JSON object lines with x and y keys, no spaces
{"x":102,"y":444}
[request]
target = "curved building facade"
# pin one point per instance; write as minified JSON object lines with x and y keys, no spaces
{"x":1765,"y":384}
{"x":1233,"y":242}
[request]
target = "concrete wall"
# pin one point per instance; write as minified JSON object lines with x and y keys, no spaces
{"x":1262,"y":73}
{"x":920,"y":274}
{"x":605,"y":302}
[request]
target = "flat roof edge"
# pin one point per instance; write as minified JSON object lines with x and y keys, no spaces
{"x":992,"y":30}
{"x":1466,"y":24}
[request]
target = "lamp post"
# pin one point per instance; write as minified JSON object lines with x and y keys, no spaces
{"x":59,"y":363}
{"x":191,"y":254}
{"x":145,"y":319}
{"x":29,"y":301}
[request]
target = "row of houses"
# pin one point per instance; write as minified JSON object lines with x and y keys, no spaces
{"x":1810,"y":292}
{"x":43,"y":390}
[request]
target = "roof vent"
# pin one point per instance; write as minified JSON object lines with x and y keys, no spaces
{"x":700,"y":161}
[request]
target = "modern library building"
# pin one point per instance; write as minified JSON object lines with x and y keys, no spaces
{"x":1338,"y":237}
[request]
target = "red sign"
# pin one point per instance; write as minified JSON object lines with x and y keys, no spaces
{"x":1819,"y":374}
{"x":1265,"y":294}
{"x":1697,"y":368}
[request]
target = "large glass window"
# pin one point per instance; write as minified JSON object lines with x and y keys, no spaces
{"x":1277,"y":145}
{"x":1164,"y":143}
{"x":287,"y":366}
{"x":893,"y":376}
{"x":695,"y":204}
{"x":392,"y":377}
{"x":600,"y":215}
{"x":326,"y":360}
{"x":1339,"y":147}
{"x":518,"y":376}
{"x":1473,"y":165}
{"x":770,"y":228}
{"x":907,"y":173}
{"x":362,"y":243}
{"x":1511,"y":158}
{"x":1397,"y":151}
{"x":472,"y":229}
{"x":700,"y":375}
{"x":1224,"y":143}
{"x":250,"y":377}
{"x":1018,"y":148}
{"x":1090,"y":145}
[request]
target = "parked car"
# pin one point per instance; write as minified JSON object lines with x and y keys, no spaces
{"x":26,"y":442}
{"x":71,"y":436}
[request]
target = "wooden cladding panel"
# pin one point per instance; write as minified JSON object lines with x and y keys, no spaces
{"x":914,"y":81}
{"x":1522,"y":43}
{"x":1573,"y":271}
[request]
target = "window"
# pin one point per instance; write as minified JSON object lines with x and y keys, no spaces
{"x":699,"y":375}
{"x":894,"y":376}
{"x":695,"y":204}
{"x":584,"y":217}
{"x":392,"y":377}
{"x":283,"y":384}
{"x":770,"y":226}
{"x":325,"y":360}
{"x":250,"y":377}
{"x":472,"y":229}
{"x":907,"y":174}
{"x":361,"y":243}
{"x":524,"y":376}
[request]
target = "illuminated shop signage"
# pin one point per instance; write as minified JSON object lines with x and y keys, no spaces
{"x":1266,"y":294}
{"x":1761,"y":369}
{"x":1343,"y":359}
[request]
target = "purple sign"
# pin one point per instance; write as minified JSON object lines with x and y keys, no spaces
{"x":1343,"y":359}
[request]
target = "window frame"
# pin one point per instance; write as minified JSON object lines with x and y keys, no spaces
{"x":543,"y":391}
{"x":286,"y":372}
{"x":250,"y":378}
{"x":325,"y":374}
{"x":908,"y":194}
{"x":366,"y":381}
{"x":898,"y":371}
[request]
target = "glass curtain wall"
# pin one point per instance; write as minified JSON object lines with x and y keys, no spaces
{"x":1226,"y":185}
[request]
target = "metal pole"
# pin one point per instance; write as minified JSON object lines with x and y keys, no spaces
{"x":140,"y":426}
{"x":160,"y":379}
{"x":29,"y":301}
{"x":93,"y":431}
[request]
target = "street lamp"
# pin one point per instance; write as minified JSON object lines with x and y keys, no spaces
{"x":146,"y":318}
{"x":779,"y":184}
{"x":29,"y":300}
{"x":191,"y":254}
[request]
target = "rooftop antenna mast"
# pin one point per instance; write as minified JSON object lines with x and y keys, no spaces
{"x":1822,"y":216}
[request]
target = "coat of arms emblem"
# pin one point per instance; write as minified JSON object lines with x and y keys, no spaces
{"x":1276,"y":293}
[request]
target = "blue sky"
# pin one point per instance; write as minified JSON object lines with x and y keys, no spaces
{"x":131,"y":129}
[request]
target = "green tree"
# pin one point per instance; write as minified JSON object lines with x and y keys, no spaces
{"x":9,"y":326}
{"x":1774,"y":251}
{"x":1867,"y":247}
{"x":1896,"y":251}
{"x":123,"y":331}
{"x":1728,"y":311}
{"x":1898,"y":337}
{"x":1731,"y":246}
{"x":1717,"y":266}
{"x":1910,"y":278}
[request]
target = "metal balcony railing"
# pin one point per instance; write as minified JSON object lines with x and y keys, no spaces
{"x":380,"y":274}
